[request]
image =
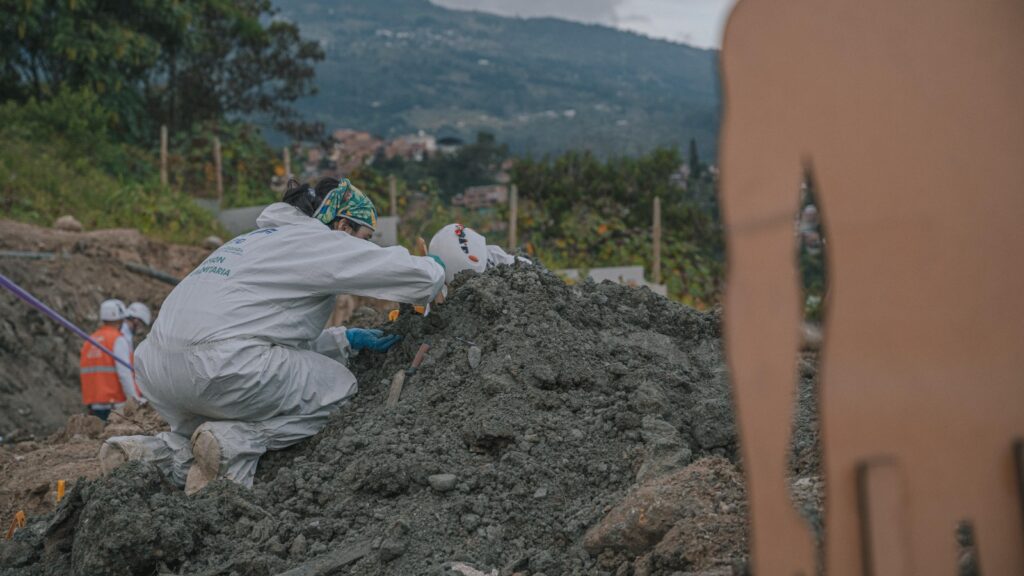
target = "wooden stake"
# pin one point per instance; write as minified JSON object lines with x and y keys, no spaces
{"x":163,"y":154}
{"x":287,"y":163}
{"x":393,"y":194}
{"x":656,"y":237}
{"x":395,"y":391}
{"x":398,"y":380}
{"x":218,"y":168}
{"x":513,"y":217}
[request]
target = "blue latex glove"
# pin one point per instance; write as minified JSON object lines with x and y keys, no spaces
{"x":364,"y":339}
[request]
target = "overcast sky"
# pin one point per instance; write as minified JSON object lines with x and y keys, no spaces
{"x":696,"y":22}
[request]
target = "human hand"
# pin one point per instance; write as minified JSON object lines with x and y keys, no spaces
{"x":366,"y":339}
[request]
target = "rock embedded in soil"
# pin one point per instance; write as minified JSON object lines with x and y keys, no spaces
{"x":442,"y":482}
{"x":68,"y":223}
{"x":692,"y":498}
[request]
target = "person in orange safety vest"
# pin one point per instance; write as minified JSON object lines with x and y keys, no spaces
{"x":105,"y":383}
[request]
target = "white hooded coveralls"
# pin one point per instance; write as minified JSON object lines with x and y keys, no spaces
{"x":239,"y":346}
{"x":125,"y":350}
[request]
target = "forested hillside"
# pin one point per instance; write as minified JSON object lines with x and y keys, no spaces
{"x":541,"y":85}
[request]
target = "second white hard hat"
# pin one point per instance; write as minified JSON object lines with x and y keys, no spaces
{"x":112,"y":310}
{"x":460,"y":248}
{"x":140,"y":311}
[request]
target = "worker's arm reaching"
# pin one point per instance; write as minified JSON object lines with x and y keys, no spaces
{"x":498,"y":257}
{"x":334,"y":344}
{"x":122,"y":349}
{"x":339,"y":342}
{"x":342,"y":264}
{"x":330,"y":252}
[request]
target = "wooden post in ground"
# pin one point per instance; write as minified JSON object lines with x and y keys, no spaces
{"x":163,"y":155}
{"x":656,"y":237}
{"x":287,"y":163}
{"x":219,"y":172}
{"x":513,"y":217}
{"x":393,"y":195}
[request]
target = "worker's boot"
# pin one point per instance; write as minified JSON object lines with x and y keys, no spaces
{"x":206,"y":454}
{"x":118,"y":450}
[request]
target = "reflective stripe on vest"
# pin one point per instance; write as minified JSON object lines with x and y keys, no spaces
{"x":98,"y":371}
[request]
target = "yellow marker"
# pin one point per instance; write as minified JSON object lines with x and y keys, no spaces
{"x":393,"y":315}
{"x":60,"y":490}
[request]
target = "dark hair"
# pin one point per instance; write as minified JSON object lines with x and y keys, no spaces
{"x":307,"y":198}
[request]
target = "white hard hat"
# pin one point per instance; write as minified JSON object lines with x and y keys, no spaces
{"x":140,"y":311}
{"x":460,"y":248}
{"x":111,"y":310}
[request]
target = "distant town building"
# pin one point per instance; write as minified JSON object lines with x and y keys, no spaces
{"x":477,"y":197}
{"x":449,"y":144}
{"x":415,"y":147}
{"x":353,"y":148}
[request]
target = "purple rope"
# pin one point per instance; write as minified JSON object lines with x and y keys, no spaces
{"x":34,"y":302}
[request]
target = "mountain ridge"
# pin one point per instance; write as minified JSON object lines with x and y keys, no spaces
{"x":542,"y":85}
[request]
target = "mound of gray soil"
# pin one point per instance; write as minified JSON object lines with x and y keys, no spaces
{"x":539,"y":407}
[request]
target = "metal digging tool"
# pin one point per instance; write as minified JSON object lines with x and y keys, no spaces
{"x":398,"y":380}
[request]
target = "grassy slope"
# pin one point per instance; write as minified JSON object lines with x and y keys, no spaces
{"x":41,"y":181}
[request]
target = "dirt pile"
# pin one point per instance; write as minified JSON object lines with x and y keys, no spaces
{"x":76,"y":271}
{"x":539,"y":408}
{"x":30,"y":471}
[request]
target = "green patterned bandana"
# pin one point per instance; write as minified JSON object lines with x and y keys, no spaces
{"x":347,"y":201}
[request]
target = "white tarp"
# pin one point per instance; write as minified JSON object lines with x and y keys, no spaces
{"x":628,"y":275}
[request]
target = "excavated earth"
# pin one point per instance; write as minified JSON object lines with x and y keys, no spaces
{"x":552,"y":429}
{"x":71,"y":272}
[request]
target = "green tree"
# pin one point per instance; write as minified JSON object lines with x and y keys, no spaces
{"x":152,"y":62}
{"x":237,"y":59}
{"x":108,"y":48}
{"x":696,"y":167}
{"x":580,"y":211}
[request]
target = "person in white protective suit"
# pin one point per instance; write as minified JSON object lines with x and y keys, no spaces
{"x":137,"y":320}
{"x":463,"y":248}
{"x":239,"y":363}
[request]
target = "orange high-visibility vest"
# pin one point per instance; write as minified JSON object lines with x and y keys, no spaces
{"x":98,"y":371}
